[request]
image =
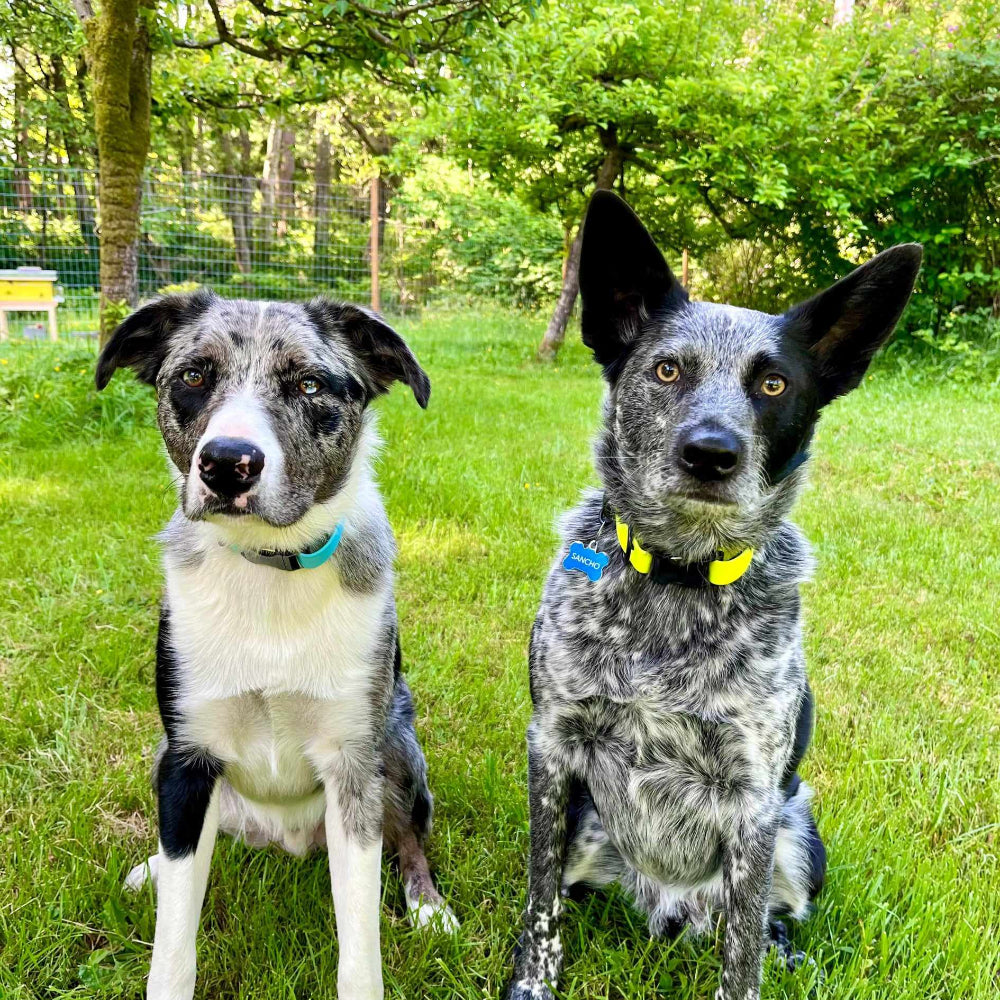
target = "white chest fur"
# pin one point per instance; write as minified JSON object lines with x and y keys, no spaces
{"x":275,"y":668}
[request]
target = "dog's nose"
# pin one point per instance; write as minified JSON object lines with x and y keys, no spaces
{"x":230,"y":466}
{"x":710,"y":453}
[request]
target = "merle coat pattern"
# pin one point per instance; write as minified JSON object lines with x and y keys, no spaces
{"x":286,"y":714}
{"x":669,"y":721}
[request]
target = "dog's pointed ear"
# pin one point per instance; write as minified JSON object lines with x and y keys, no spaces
{"x":383,"y":352}
{"x":141,"y":341}
{"x":844,"y":326}
{"x":623,"y":277}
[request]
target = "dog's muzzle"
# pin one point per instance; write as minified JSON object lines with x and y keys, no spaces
{"x":230,"y":467}
{"x":709,"y":453}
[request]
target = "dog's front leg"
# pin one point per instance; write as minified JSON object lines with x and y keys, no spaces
{"x":747,"y":870}
{"x":539,"y":957}
{"x":354,"y":842}
{"x":188,"y":793}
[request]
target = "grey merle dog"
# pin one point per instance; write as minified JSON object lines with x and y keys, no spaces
{"x":278,"y":678}
{"x":671,"y":706}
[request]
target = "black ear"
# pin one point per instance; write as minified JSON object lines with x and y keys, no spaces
{"x":141,"y":341}
{"x":623,"y":277}
{"x":844,"y":326}
{"x":381,"y":350}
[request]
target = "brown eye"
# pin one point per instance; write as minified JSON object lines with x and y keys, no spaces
{"x":193,"y":378}
{"x":773,"y":385}
{"x":668,"y":371}
{"x":309,"y":386}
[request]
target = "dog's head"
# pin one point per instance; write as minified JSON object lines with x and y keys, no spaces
{"x":711,"y":408}
{"x":261,"y":405}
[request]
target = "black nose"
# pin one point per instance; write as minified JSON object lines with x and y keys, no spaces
{"x":710,"y":453}
{"x":230,"y":466}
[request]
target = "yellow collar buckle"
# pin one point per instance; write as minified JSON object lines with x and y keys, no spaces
{"x":719,"y":572}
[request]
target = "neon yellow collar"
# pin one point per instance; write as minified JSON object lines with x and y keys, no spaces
{"x":720,"y":572}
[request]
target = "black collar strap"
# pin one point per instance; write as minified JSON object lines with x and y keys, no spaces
{"x":295,"y":560}
{"x":661,"y":569}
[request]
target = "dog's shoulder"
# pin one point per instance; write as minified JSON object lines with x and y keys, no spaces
{"x":582,"y":522}
{"x":368,"y":550}
{"x":182,"y":543}
{"x":785,"y":560}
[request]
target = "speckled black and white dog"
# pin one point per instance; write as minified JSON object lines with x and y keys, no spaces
{"x":671,"y":707}
{"x":278,"y":662}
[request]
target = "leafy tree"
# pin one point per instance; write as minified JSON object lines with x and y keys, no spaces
{"x":576,"y":99}
{"x":755,"y":124}
{"x":400,"y":44}
{"x":120,"y":59}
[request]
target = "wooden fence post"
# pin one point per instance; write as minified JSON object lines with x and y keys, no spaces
{"x":684,"y":268}
{"x":374,"y":250}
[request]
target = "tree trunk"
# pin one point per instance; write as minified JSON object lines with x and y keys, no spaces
{"x":121,"y":67}
{"x":22,"y":183}
{"x":273,"y":216}
{"x":555,"y":333}
{"x":83,"y":204}
{"x":233,"y":204}
{"x":286,"y":179}
{"x":244,"y":189}
{"x":269,"y":175}
{"x":185,"y":144}
{"x":321,"y":207}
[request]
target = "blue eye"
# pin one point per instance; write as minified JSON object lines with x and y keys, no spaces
{"x":309,"y":386}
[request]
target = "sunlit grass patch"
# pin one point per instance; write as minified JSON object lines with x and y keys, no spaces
{"x":903,"y":643}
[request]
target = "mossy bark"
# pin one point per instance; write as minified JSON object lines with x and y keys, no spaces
{"x":555,"y":333}
{"x":121,"y":69}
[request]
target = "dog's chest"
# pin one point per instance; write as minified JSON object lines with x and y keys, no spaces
{"x":274,"y":746}
{"x":678,"y":717}
{"x":666,"y":784}
{"x":239,"y":628}
{"x":274,"y":670}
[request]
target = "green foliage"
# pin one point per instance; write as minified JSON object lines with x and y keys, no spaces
{"x":476,"y":242}
{"x":778,"y":150}
{"x":47,"y":397}
{"x":963,"y":344}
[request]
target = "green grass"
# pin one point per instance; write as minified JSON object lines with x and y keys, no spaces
{"x":904,"y":646}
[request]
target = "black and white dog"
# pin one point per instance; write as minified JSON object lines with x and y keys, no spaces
{"x":671,"y":706}
{"x":278,"y":662}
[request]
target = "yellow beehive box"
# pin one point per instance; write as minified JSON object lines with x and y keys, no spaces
{"x":27,"y":284}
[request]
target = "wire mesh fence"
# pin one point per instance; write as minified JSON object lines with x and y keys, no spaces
{"x":243,"y":236}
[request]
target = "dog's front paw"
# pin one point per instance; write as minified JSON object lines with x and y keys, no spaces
{"x":786,"y":955}
{"x":527,"y":989}
{"x":143,"y":873}
{"x":353,"y":986}
{"x":434,"y":916}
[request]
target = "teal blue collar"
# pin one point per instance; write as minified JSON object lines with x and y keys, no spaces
{"x":294,"y":560}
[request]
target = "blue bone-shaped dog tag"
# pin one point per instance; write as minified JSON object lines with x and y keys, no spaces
{"x":586,"y":560}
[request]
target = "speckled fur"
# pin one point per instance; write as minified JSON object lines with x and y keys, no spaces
{"x":669,"y":721}
{"x":288,"y":720}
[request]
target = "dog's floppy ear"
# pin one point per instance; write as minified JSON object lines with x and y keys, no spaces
{"x":141,"y":341}
{"x":623,"y":277}
{"x":844,"y":326}
{"x":381,"y":350}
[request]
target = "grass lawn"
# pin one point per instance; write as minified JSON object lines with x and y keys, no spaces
{"x":904,"y":650}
